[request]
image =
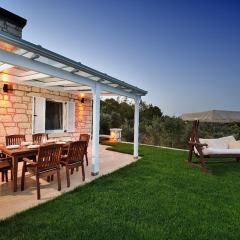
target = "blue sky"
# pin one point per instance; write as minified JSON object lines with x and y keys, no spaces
{"x":186,"y":54}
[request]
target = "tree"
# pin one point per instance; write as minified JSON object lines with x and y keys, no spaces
{"x":105,"y":120}
{"x":155,"y":128}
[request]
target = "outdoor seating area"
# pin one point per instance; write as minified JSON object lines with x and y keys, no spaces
{"x":50,"y":121}
{"x":44,"y":92}
{"x":119,"y":120}
{"x":224,"y":147}
{"x":42,"y":158}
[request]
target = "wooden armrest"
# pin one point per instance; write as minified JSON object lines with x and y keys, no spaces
{"x":29,"y":161}
{"x":198,"y":144}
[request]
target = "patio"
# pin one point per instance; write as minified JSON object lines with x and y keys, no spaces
{"x":15,"y":202}
{"x":44,"y":92}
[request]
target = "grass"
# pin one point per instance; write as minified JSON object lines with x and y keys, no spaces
{"x":158,"y":197}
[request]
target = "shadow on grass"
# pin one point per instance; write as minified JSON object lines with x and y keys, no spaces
{"x":125,"y":148}
{"x":220,"y":167}
{"x":115,"y":150}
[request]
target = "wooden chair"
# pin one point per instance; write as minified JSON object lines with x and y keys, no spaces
{"x":5,"y":166}
{"x":47,"y":164}
{"x":85,"y":137}
{"x":74,"y":159}
{"x":39,"y":138}
{"x":15,"y":139}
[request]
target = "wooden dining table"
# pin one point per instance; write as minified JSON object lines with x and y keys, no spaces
{"x":17,"y":154}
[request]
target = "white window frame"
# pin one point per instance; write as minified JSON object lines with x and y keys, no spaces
{"x":64,"y":116}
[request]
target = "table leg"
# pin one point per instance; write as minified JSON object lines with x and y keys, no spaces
{"x":15,"y":172}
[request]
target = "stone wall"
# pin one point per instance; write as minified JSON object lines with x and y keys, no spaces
{"x":16,"y":112}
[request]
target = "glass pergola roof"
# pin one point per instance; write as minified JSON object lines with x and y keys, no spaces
{"x":36,"y":53}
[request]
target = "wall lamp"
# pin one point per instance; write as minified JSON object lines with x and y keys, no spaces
{"x":7,"y":88}
{"x":82,"y":100}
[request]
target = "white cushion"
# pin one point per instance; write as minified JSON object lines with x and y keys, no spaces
{"x":213,"y":151}
{"x":234,"y":145}
{"x":228,"y":139}
{"x":214,"y":143}
{"x":219,"y":143}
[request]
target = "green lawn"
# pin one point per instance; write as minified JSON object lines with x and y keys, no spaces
{"x":158,"y":197}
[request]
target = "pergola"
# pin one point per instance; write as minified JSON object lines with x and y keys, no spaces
{"x":26,"y":63}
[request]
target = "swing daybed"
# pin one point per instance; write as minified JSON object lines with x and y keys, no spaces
{"x":225,"y":147}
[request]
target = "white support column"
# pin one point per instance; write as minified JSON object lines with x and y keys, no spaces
{"x":136,"y":127}
{"x":96,"y":91}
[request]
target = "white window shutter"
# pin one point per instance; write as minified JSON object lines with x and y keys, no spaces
{"x":39,"y":107}
{"x":70,"y":116}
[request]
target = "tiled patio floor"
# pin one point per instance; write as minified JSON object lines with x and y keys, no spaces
{"x":12,"y":203}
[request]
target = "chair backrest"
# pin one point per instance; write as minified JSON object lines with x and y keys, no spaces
{"x":76,"y":151}
{"x":49,"y":156}
{"x":84,"y":137}
{"x":39,"y":138}
{"x":15,"y":139}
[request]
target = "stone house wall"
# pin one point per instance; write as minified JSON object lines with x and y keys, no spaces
{"x":16,"y":112}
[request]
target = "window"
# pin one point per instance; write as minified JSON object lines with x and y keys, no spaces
{"x":54,"y":115}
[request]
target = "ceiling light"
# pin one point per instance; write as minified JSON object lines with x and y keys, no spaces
{"x":5,"y":66}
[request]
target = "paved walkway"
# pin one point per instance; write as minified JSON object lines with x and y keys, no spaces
{"x":12,"y":203}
